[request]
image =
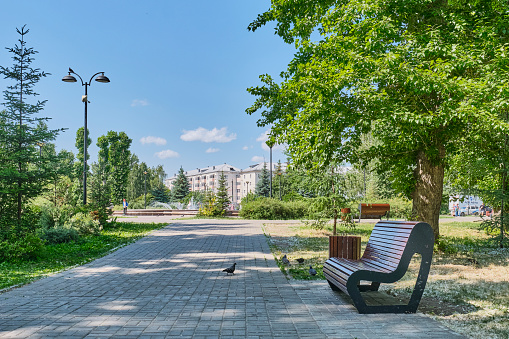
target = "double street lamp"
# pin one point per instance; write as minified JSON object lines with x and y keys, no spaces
{"x":99,"y":77}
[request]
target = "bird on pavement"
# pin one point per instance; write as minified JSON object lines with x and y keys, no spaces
{"x":285,"y":260}
{"x":312,"y":271}
{"x":300,"y":260}
{"x":230,"y":269}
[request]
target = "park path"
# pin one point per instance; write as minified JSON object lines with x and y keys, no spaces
{"x":170,"y":284}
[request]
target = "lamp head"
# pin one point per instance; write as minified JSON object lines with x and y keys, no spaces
{"x":102,"y":78}
{"x":69,"y":78}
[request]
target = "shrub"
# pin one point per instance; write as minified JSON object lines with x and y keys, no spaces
{"x":59,"y":235}
{"x":29,"y":246}
{"x":271,"y":209}
{"x":209,"y":207}
{"x":52,"y":216}
{"x":84,"y":224}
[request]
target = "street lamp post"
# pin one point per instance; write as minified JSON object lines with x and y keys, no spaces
{"x":145,"y":188}
{"x":99,"y":78}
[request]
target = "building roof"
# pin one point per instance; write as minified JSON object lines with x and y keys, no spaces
{"x":259,"y":167}
{"x":210,"y":169}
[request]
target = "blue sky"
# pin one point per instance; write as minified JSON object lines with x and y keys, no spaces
{"x":178,"y":69}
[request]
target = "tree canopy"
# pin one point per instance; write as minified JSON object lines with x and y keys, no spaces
{"x":416,"y":75}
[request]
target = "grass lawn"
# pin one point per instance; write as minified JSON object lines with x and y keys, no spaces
{"x":64,"y":256}
{"x":468,"y":285}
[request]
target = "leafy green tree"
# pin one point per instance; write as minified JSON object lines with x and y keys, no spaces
{"x":79,"y":165}
{"x":262,"y":188}
{"x":181,"y":187}
{"x":61,"y":170}
{"x":23,"y":171}
{"x":417,"y":75}
{"x":137,"y":179}
{"x":119,"y":157}
{"x":222,"y":199}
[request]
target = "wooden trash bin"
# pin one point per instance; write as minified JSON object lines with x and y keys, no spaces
{"x":348,"y":247}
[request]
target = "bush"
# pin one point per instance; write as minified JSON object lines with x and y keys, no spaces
{"x":52,"y":216}
{"x":272,"y":209}
{"x":84,"y":224}
{"x":59,"y":235}
{"x":29,"y":246}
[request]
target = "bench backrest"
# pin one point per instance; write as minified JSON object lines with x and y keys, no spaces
{"x":390,"y":240}
{"x":374,"y":208}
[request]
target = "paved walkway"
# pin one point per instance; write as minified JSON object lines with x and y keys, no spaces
{"x":170,"y":284}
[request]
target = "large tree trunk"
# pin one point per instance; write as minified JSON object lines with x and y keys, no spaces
{"x":427,"y":197}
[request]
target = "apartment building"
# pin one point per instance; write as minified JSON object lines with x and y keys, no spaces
{"x":207,"y":179}
{"x":239,"y":182}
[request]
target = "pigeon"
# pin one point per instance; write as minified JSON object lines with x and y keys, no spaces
{"x":312,"y":271}
{"x":300,"y":260}
{"x":285,"y":260}
{"x":230,"y":269}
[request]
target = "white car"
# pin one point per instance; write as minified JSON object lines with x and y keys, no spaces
{"x":473,"y":210}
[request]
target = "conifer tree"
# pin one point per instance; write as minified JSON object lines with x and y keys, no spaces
{"x":23,"y":171}
{"x":181,"y":187}
{"x":222,"y":200}
{"x":263,"y":185}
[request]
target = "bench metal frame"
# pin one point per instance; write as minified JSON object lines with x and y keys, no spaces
{"x":420,"y":240}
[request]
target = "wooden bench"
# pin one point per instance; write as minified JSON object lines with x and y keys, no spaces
{"x":371,"y":211}
{"x":385,"y":260}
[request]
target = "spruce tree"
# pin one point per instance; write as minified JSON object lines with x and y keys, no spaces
{"x":263,"y":185}
{"x":181,"y":187}
{"x":23,"y":171}
{"x":222,"y":200}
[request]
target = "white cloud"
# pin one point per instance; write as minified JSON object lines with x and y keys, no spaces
{"x":167,"y":154}
{"x":205,"y":135}
{"x":138,"y":102}
{"x":263,"y":139}
{"x":153,"y":140}
{"x":212,"y":150}
{"x":245,"y":148}
{"x":257,"y":159}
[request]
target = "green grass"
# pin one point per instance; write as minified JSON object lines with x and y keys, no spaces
{"x":59,"y":257}
{"x":467,"y":288}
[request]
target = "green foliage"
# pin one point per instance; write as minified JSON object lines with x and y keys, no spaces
{"x":422,"y":79}
{"x":222,"y":199}
{"x":445,"y":245}
{"x":21,"y":247}
{"x":58,"y":235}
{"x":161,"y":193}
{"x":138,"y":203}
{"x":210,"y":206}
{"x":262,"y":188}
{"x":119,"y":158}
{"x":23,"y":170}
{"x":497,"y":227}
{"x":84,"y":224}
{"x":181,"y":186}
{"x":272,"y":209}
{"x":54,"y":216}
{"x":66,"y":255}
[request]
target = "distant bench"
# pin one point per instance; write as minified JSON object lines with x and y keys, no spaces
{"x":374,"y":211}
{"x":385,"y":260}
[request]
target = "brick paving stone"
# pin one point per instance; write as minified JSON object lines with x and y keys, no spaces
{"x":170,"y":284}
